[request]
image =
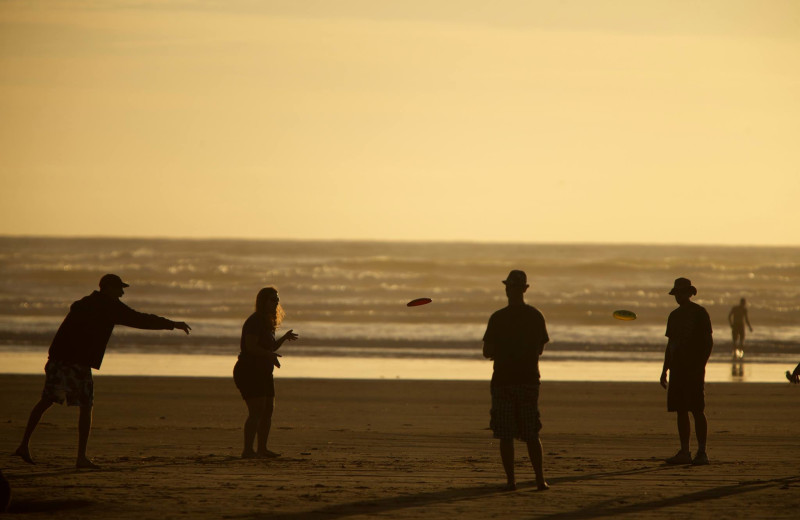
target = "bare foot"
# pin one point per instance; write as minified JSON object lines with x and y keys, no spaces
{"x":544,"y":486}
{"x":267,"y":454}
{"x":510,"y":486}
{"x":248,"y":454}
{"x":86,"y":463}
{"x":25,"y":454}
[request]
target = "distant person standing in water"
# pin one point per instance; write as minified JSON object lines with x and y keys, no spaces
{"x":77,"y":348}
{"x":688,"y":349}
{"x":253,"y":371}
{"x":514,"y":339}
{"x":737,"y":319}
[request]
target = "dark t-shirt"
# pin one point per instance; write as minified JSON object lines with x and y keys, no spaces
{"x":689,"y":332}
{"x":258,"y":325}
{"x":518,"y":334}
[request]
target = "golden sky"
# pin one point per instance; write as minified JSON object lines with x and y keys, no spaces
{"x":570,"y":121}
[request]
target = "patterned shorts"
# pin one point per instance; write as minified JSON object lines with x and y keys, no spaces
{"x":68,"y":382}
{"x":515,"y":412}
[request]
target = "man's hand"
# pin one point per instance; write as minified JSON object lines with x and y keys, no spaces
{"x":182,"y":325}
{"x":664,"y":379}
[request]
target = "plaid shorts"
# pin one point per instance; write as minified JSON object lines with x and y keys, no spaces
{"x":515,"y":412}
{"x":68,"y":382}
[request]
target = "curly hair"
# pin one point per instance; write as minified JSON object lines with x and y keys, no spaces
{"x":264,"y":306}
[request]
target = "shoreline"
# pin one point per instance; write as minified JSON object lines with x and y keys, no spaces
{"x":390,"y":368}
{"x":399,"y":449}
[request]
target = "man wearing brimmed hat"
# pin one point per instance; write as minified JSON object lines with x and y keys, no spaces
{"x":514,"y":339}
{"x":78,"y":346}
{"x":688,"y":349}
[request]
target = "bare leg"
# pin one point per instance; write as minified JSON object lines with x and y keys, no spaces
{"x":535,"y":454}
{"x":264,"y":426}
{"x":38,"y":410}
{"x":701,"y":430}
{"x":84,"y":427}
{"x":684,"y":430}
{"x":255,"y":409}
{"x":507,"y":456}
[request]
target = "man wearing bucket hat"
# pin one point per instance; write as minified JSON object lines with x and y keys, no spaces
{"x":78,"y":346}
{"x":688,"y":348}
{"x":514,"y":340}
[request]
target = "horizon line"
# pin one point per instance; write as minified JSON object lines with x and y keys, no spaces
{"x":385,"y":240}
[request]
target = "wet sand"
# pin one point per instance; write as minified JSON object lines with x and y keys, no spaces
{"x":399,"y":449}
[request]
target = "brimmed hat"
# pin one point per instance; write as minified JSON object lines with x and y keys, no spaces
{"x":683,"y":285}
{"x":112,"y":280}
{"x":516,"y":277}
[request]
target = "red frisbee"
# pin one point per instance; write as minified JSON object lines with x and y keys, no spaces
{"x":418,"y":301}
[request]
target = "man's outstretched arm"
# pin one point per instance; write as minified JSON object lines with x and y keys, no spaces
{"x":140,"y":320}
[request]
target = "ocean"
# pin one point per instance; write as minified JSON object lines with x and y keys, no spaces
{"x":347,"y":300}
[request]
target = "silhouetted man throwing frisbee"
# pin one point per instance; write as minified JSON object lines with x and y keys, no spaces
{"x":514,"y":339}
{"x":77,"y":348}
{"x":688,"y":348}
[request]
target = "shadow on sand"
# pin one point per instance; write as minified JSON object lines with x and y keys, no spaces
{"x":608,"y":508}
{"x":452,"y":495}
{"x":383,"y":505}
{"x":612,"y":508}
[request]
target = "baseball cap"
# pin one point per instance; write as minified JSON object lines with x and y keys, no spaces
{"x":112,"y":280}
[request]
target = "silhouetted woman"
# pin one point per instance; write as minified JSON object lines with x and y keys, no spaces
{"x":253,"y":370}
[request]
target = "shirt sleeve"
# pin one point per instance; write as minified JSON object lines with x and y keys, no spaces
{"x":124,"y":315}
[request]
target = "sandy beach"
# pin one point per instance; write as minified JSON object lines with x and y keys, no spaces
{"x":399,"y":449}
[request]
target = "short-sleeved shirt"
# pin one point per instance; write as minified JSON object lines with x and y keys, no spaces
{"x":518,"y":334}
{"x":258,"y":325}
{"x":689,"y":332}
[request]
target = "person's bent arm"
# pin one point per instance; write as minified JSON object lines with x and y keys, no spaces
{"x":289,"y":336}
{"x":488,"y":350}
{"x":251,"y":347}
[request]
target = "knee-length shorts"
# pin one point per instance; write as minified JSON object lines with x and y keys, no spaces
{"x":515,"y":412}
{"x":686,"y":394}
{"x":68,"y":383}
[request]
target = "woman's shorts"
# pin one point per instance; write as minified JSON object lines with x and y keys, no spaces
{"x":253,"y":381}
{"x":515,"y":412}
{"x":68,"y":382}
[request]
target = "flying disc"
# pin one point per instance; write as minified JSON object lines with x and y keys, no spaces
{"x":624,"y":315}
{"x":418,"y":301}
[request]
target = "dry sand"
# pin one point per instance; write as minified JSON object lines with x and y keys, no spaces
{"x":399,"y":449}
